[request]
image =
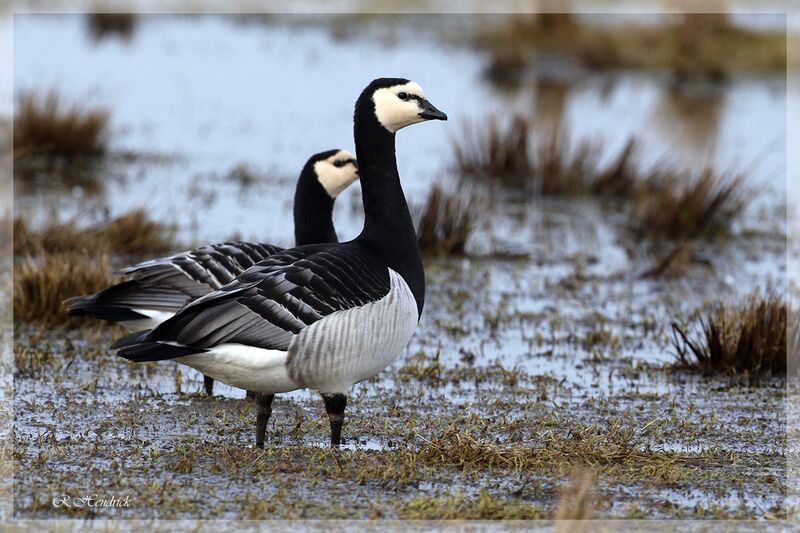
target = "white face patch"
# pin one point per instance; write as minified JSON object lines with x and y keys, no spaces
{"x":392,"y":111}
{"x":337,"y":172}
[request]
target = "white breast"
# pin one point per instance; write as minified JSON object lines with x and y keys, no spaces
{"x":348,"y":346}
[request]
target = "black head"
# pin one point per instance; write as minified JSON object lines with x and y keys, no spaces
{"x":333,"y":170}
{"x":395,"y":103}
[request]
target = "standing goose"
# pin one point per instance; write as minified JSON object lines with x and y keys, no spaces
{"x":321,"y":316}
{"x":160,"y":287}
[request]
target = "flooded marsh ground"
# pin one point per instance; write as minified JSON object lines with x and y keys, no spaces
{"x":544,"y":359}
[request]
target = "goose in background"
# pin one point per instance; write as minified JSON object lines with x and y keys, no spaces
{"x":160,"y":287}
{"x":322,"y":316}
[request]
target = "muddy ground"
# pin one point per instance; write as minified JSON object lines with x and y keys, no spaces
{"x":451,"y":430}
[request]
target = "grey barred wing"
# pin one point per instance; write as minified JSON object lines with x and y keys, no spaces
{"x":197,"y":271}
{"x":277,"y":298}
{"x":168,"y":283}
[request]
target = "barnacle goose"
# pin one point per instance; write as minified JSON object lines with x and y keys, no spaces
{"x":321,"y":316}
{"x":160,"y":287}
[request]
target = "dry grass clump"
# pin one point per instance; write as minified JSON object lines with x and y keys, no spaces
{"x":54,"y":237}
{"x":664,"y":202}
{"x":445,"y":221}
{"x":679,"y":206}
{"x":42,"y":283}
{"x":692,"y":45}
{"x":496,"y":150}
{"x":134,"y":233}
{"x":56,"y":145}
{"x":103,"y":25}
{"x":562,"y":170}
{"x":130,"y":234}
{"x":44,"y":127}
{"x":747,"y":340}
{"x":516,"y":154}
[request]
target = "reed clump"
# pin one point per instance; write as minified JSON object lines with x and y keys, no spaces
{"x":130,"y":234}
{"x":58,"y":145}
{"x":680,"y":206}
{"x":43,"y":282}
{"x":445,"y":221}
{"x":135,"y":234}
{"x":517,"y":154}
{"x":63,"y":259}
{"x":664,"y":202}
{"x":46,"y":128}
{"x":747,"y":340}
{"x":102,"y":25}
{"x":496,"y":150}
{"x":704,"y":46}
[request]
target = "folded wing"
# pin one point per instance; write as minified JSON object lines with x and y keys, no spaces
{"x":274,"y":300}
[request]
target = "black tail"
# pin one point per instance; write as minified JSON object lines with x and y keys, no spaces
{"x":116,"y":303}
{"x":138,"y":348}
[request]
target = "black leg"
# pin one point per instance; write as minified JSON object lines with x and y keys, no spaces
{"x":263,"y":412}
{"x":334,"y":405}
{"x":208,"y":383}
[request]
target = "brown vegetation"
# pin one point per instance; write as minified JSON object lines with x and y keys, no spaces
{"x":42,"y":283}
{"x":496,"y":151}
{"x":134,"y":233}
{"x":57,"y":145}
{"x":678,"y":206}
{"x":445,"y":221}
{"x":130,"y":234}
{"x":747,"y":340}
{"x":103,"y":25}
{"x":44,"y":127}
{"x":693,"y":45}
{"x":518,"y":155}
{"x":664,"y":202}
{"x":62,"y":260}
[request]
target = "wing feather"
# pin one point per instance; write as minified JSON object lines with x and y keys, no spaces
{"x":277,"y":298}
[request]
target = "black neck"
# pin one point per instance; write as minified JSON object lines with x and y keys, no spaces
{"x":388,"y":228}
{"x":313,"y":211}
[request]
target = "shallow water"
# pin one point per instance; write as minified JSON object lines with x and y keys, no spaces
{"x":174,"y":89}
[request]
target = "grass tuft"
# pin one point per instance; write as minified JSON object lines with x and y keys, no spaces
{"x":496,"y":150}
{"x":42,"y":283}
{"x":62,"y":260}
{"x":664,"y":202}
{"x":56,"y":145}
{"x":130,"y":234}
{"x":445,"y":221}
{"x":135,"y":234}
{"x":676,"y":206}
{"x":102,"y":25}
{"x":705,"y":46}
{"x":44,"y":127}
{"x":517,"y":155}
{"x":747,"y":340}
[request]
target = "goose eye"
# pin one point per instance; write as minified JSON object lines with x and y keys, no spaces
{"x":338,"y":164}
{"x":402,"y":96}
